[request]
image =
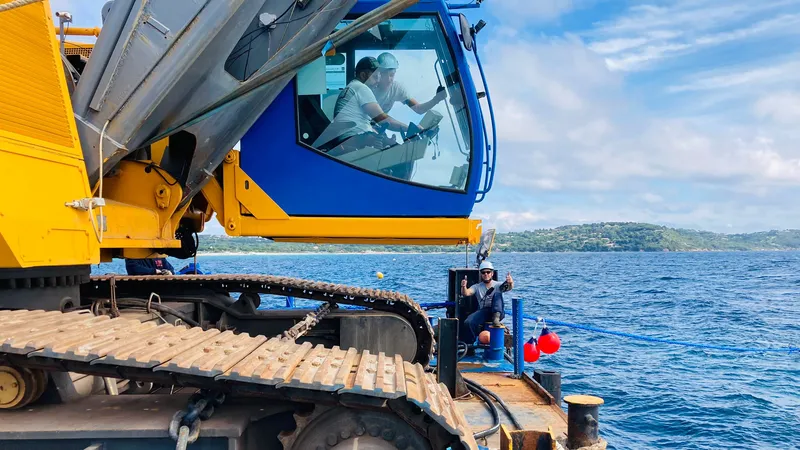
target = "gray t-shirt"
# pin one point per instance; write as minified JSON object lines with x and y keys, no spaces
{"x":349,"y":108}
{"x":395,"y":93}
{"x":480,"y":290}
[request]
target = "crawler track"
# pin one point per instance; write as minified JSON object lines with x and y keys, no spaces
{"x":234,"y":363}
{"x":388,"y":301}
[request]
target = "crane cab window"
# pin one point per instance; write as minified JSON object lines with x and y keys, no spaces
{"x":390,"y":101}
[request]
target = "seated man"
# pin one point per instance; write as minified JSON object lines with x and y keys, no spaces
{"x":356,"y":109}
{"x":149,"y":266}
{"x":490,"y":301}
{"x":388,"y":91}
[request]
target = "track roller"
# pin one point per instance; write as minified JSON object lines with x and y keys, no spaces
{"x":343,"y":428}
{"x":20,"y":386}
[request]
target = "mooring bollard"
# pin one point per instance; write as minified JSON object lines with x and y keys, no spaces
{"x":550,"y":381}
{"x":582,"y":420}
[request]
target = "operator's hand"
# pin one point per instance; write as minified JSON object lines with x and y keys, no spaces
{"x":496,"y":321}
{"x":464,"y":283}
{"x":441,"y":94}
{"x":509,"y":280}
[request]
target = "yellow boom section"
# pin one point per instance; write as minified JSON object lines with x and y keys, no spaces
{"x":40,"y":154}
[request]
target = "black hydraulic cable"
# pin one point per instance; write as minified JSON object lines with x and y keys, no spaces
{"x":158,"y":307}
{"x":492,"y":409}
{"x":473,"y":384}
{"x":461,"y":344}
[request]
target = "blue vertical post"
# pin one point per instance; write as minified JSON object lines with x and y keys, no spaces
{"x":290,"y":302}
{"x":519,"y":336}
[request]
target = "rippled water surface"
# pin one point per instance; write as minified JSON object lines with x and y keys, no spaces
{"x":656,"y":396}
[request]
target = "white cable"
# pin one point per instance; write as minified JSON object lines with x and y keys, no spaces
{"x":98,"y":228}
{"x":16,"y":4}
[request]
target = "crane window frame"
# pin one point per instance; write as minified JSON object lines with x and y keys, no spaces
{"x":318,"y":85}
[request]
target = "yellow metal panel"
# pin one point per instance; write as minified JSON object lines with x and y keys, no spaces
{"x":33,"y":93}
{"x":39,"y":149}
{"x":212,"y":191}
{"x":230,"y":204}
{"x":130,"y":226}
{"x":35,"y":225}
{"x":366,"y":230}
{"x":157,"y":150}
{"x":142,"y":200}
{"x":257,"y":202}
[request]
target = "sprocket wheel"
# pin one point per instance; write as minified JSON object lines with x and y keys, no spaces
{"x":342,"y":428}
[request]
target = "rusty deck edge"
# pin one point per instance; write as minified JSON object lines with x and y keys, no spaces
{"x":554,"y":404}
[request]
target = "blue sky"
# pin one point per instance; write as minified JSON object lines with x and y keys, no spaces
{"x":681,"y":113}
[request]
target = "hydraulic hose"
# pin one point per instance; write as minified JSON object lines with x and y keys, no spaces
{"x":158,"y":307}
{"x":477,"y":390}
{"x":511,"y":416}
{"x":463,"y":349}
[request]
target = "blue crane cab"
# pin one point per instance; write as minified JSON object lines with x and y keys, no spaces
{"x":317,"y":153}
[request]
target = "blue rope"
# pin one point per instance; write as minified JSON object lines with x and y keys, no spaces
{"x":788,"y":349}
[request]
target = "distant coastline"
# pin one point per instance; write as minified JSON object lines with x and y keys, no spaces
{"x":597,"y":237}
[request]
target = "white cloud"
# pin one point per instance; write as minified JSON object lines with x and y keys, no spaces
{"x":613,"y":145}
{"x":788,"y":22}
{"x":649,"y":197}
{"x":644,"y":55}
{"x":688,"y":15}
{"x":782,"y":107}
{"x":591,"y":133}
{"x":646,"y":34}
{"x":617,"y":45}
{"x":510,"y":220}
{"x":727,"y":216}
{"x":749,"y":75}
{"x":518,"y":122}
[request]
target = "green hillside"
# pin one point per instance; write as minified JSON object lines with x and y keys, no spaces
{"x":596,"y":237}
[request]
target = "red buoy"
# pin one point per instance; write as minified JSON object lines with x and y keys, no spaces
{"x":549,"y":341}
{"x":530,"y":351}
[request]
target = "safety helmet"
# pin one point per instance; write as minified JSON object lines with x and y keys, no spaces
{"x":387,"y":61}
{"x":367,"y":63}
{"x":485,"y":265}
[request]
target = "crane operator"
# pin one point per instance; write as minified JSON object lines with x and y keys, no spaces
{"x":388,"y":91}
{"x":490,"y":301}
{"x":356,"y":107}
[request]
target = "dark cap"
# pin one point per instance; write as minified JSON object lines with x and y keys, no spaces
{"x":367,"y":63}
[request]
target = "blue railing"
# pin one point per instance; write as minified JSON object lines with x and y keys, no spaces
{"x":490,"y":153}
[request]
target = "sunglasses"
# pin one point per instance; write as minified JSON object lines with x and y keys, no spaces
{"x":484,"y":272}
